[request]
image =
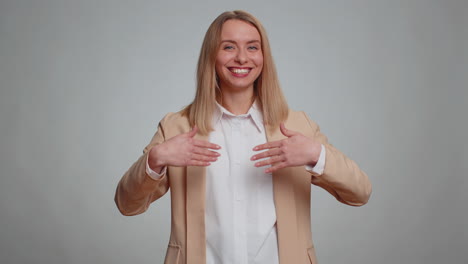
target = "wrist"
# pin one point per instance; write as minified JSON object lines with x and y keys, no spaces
{"x":315,"y":153}
{"x":155,"y":160}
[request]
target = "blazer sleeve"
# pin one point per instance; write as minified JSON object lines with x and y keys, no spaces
{"x":137,"y":190}
{"x":341,"y":177}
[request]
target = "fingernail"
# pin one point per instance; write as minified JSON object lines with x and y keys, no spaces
{"x":255,"y":148}
{"x":253,"y":158}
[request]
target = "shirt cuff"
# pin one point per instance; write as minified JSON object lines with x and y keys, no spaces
{"x":154,"y":175}
{"x":320,"y":165}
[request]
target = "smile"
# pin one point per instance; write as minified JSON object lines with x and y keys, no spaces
{"x":240,"y":70}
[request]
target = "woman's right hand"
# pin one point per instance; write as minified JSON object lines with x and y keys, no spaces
{"x":183,"y":150}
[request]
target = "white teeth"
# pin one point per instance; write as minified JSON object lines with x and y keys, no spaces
{"x":240,"y":71}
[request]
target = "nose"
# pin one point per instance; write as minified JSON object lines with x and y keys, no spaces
{"x":241,"y":56}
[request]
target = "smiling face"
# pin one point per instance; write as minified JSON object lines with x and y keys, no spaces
{"x":239,"y":61}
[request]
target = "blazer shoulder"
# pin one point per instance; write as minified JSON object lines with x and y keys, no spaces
{"x":296,"y":115}
{"x":174,"y":123}
{"x":174,"y":117}
{"x":302,"y":118}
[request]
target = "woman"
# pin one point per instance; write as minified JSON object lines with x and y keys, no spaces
{"x":239,"y":163}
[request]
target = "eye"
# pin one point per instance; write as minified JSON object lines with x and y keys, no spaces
{"x":228,"y":47}
{"x":253,"y":48}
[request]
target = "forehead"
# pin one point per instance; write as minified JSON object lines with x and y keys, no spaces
{"x":238,"y":30}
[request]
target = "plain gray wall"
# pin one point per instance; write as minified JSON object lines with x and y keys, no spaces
{"x":85,"y":83}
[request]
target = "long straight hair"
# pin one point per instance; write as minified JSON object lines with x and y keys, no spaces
{"x":266,"y":88}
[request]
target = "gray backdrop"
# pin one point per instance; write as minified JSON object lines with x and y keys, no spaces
{"x":85,"y":83}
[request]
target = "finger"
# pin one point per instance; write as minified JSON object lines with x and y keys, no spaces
{"x":266,"y":154}
{"x":269,"y":161}
{"x":198,"y":163}
{"x":276,"y":167}
{"x":268,"y":145}
{"x":193,"y":132}
{"x":205,"y":144}
{"x":199,"y":157}
{"x":205,"y":152}
{"x":286,"y":132}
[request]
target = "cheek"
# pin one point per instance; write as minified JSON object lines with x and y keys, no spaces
{"x":222,"y":59}
{"x":259,"y":60}
{"x":219,"y":66}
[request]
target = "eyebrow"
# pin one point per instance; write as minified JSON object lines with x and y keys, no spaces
{"x":248,"y":42}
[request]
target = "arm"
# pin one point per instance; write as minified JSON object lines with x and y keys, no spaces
{"x":137,"y":190}
{"x":341,"y":177}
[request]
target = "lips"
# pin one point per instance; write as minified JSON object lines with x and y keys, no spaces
{"x":239,"y":71}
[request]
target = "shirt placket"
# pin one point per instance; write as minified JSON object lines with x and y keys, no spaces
{"x":239,"y":191}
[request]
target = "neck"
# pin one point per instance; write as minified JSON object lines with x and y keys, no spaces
{"x":237,"y":103}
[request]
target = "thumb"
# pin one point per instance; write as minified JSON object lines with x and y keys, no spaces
{"x":285,"y":131}
{"x":193,"y":132}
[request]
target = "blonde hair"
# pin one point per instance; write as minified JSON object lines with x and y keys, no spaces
{"x":267,"y":88}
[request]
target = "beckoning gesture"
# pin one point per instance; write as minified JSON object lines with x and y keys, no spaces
{"x":295,"y":150}
{"x":183,"y":150}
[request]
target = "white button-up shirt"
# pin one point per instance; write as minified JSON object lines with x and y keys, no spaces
{"x":240,"y":212}
{"x":240,"y":216}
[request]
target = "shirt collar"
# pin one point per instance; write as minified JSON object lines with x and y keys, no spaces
{"x":254,"y":112}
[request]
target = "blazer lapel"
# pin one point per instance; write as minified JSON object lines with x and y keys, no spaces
{"x":284,"y":197}
{"x":196,"y":238}
{"x":285,"y":205}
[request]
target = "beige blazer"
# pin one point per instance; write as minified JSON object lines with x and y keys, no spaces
{"x":291,"y":186}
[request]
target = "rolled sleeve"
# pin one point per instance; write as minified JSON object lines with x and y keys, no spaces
{"x":152,"y":174}
{"x":320,"y":165}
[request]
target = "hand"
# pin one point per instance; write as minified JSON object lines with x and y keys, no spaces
{"x":295,"y":150}
{"x":183,"y":150}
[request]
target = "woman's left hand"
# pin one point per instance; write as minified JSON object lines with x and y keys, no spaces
{"x":295,"y":150}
